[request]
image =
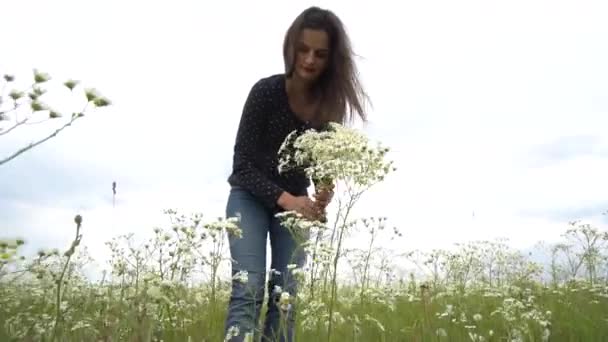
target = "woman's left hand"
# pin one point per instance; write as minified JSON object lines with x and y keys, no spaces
{"x":323,"y":197}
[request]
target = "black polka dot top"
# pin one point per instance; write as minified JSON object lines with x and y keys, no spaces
{"x":266,"y":121}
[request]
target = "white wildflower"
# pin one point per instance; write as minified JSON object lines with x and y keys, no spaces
{"x":546,"y":335}
{"x":233,"y":331}
{"x":378,"y":324}
{"x":80,"y":325}
{"x":337,"y":153}
{"x":299,"y":274}
{"x":463,"y":317}
{"x":441,"y":332}
{"x":230,"y":225}
{"x":449,"y":309}
{"x":476,"y":338}
{"x":154,"y":292}
{"x":241,"y":276}
{"x":285,"y":301}
{"x":338,"y":318}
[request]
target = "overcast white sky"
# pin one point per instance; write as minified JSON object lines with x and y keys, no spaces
{"x":494,"y":108}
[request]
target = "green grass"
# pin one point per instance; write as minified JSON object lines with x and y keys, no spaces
{"x":481,"y":291}
{"x":122,"y":313}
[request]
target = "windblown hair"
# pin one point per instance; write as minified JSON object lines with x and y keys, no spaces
{"x":342,"y":95}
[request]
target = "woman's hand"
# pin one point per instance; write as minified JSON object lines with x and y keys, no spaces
{"x":323,"y":197}
{"x":300,"y":204}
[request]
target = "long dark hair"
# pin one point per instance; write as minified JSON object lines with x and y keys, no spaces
{"x":342,"y":95}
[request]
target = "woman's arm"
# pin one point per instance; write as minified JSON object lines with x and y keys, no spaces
{"x":248,"y":139}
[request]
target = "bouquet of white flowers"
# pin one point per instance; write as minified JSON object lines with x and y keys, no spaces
{"x":336,"y":153}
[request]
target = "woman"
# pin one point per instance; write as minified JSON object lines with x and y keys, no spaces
{"x":320,"y":85}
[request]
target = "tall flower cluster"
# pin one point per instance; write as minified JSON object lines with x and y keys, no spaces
{"x":335,"y":153}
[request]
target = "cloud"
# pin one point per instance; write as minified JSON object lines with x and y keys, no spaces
{"x":576,"y":211}
{"x":568,"y":147}
{"x":43,"y":178}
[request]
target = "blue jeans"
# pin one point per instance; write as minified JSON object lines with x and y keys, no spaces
{"x":248,"y":253}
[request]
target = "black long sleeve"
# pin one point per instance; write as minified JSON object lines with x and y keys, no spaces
{"x":254,"y":123}
{"x":265,"y":122}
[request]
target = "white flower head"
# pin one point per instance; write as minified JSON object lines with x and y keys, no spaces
{"x":441,"y":332}
{"x":278,"y":289}
{"x":230,"y":225}
{"x":233,"y":331}
{"x":285,"y":301}
{"x":242,"y":276}
{"x":336,"y":153}
{"x":154,"y":292}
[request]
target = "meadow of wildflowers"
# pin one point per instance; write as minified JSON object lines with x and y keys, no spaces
{"x":174,"y":286}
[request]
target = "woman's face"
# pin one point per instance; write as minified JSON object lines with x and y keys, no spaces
{"x":312,"y":54}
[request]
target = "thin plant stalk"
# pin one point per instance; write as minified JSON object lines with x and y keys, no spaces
{"x":68,"y":254}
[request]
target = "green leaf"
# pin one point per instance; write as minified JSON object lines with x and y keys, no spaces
{"x":39,"y":91}
{"x":37,"y":106}
{"x":101,"y":102}
{"x":91,"y":94}
{"x":54,"y":115}
{"x":70,"y":84}
{"x":40,"y":77}
{"x":16,"y":95}
{"x":36,"y":93}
